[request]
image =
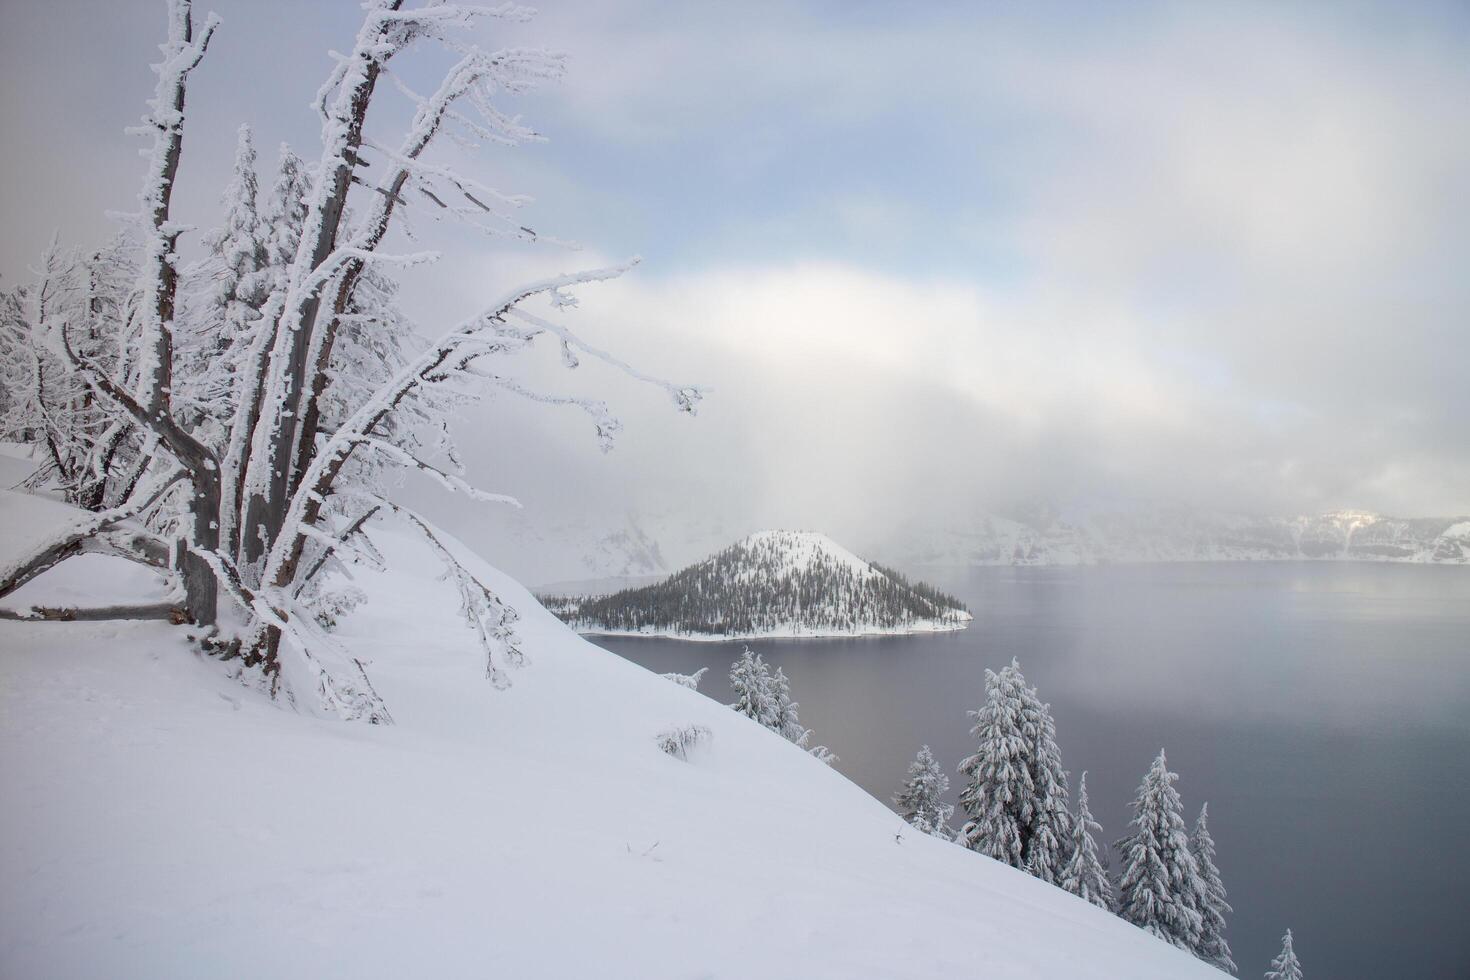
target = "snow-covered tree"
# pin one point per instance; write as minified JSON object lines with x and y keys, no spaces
{"x":921,"y":801}
{"x":1213,"y":947}
{"x":84,"y":445}
{"x":283,"y":217}
{"x":285,"y":213}
{"x":788,"y":723}
{"x":229,"y":287}
{"x":765,"y":696}
{"x":750,"y":680}
{"x":1049,"y":846}
{"x":330,"y":386}
{"x":1016,"y":797}
{"x":1084,"y":874}
{"x":999,"y":797}
{"x":690,"y":681}
{"x":1160,"y":889}
{"x":1285,"y":966}
{"x":43,"y":398}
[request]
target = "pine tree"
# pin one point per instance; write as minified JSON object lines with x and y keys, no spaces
{"x":1084,"y":874}
{"x":921,"y":801}
{"x":286,"y":212}
{"x":998,"y":798}
{"x":235,"y":282}
{"x":788,"y":723}
{"x":1049,"y":846}
{"x":766,"y":697}
{"x":1285,"y":966}
{"x":1160,"y":889}
{"x":241,"y":242}
{"x":1213,"y":947}
{"x":1016,"y":798}
{"x":750,"y":679}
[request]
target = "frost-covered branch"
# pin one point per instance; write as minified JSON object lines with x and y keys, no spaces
{"x":347,"y":533}
{"x":191,"y":454}
{"x":79,"y":535}
{"x":686,"y":397}
{"x":182,"y":54}
{"x":429,"y":368}
{"x":491,"y":619}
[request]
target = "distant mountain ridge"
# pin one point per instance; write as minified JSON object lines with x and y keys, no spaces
{"x":653,"y":544}
{"x":771,"y":583}
{"x":1168,"y":536}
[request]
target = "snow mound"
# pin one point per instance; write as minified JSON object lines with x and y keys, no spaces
{"x":160,"y":820}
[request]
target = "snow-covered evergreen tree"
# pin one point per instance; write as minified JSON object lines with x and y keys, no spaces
{"x":1049,"y":845}
{"x":1084,"y":874}
{"x":285,"y":213}
{"x":690,"y":681}
{"x":765,"y":696}
{"x":788,"y":723}
{"x":921,"y":801}
{"x":1016,"y":798}
{"x":232,"y":283}
{"x":1285,"y":966}
{"x":999,"y":799}
{"x":1213,"y":947}
{"x":78,"y":436}
{"x":750,"y":680}
{"x":1160,"y":889}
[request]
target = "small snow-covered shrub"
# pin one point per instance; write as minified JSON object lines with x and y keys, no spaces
{"x":329,"y":606}
{"x":678,"y":740}
{"x":690,"y":681}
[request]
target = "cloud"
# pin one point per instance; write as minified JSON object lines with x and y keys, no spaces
{"x":842,"y":396}
{"x":926,"y":260}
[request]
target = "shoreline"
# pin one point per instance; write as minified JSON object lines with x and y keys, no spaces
{"x":918,"y":628}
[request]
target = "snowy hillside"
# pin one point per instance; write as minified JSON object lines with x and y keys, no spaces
{"x":771,"y":583}
{"x":162,"y":820}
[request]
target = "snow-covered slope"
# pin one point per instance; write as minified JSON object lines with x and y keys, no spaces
{"x":158,"y":820}
{"x":770,"y":584}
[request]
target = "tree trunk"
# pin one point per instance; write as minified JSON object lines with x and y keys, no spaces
{"x":201,"y":587}
{"x":265,"y":513}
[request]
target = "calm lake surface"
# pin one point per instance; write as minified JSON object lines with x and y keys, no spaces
{"x":1322,"y":709}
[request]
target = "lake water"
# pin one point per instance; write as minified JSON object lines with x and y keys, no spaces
{"x":1322,"y":709}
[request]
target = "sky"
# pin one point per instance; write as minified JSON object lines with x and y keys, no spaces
{"x":929,"y":260}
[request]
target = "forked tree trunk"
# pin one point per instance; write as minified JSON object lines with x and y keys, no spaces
{"x":279,"y":429}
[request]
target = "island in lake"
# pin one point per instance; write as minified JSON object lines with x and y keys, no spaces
{"x":770,"y":584}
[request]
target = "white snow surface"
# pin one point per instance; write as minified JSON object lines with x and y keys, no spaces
{"x":801,"y":548}
{"x":160,"y":820}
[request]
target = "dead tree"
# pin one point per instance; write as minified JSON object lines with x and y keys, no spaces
{"x":280,"y":498}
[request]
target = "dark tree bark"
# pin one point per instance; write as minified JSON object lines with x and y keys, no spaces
{"x":266,"y":513}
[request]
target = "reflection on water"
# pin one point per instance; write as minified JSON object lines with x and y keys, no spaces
{"x":1323,"y":710}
